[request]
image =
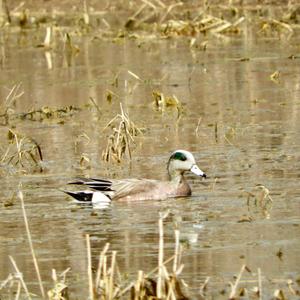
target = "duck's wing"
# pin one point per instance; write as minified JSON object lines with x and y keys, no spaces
{"x":94,"y":183}
{"x":117,"y":189}
{"x":132,"y":187}
{"x":100,"y":191}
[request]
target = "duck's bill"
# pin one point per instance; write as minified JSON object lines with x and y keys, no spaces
{"x":195,"y":169}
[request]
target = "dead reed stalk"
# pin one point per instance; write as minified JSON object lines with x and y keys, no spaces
{"x":22,"y":151}
{"x":36,"y":266}
{"x":89,"y":268}
{"x":6,"y":108}
{"x":235,"y":285}
{"x":120,"y":141}
{"x":100,"y":265}
{"x":20,"y":277}
{"x":160,"y":279}
{"x":259,"y":283}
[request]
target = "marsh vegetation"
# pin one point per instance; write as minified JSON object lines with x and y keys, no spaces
{"x":110,"y":88}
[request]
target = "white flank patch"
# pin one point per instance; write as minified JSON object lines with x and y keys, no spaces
{"x":100,"y":198}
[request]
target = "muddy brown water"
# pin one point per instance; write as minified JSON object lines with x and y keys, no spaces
{"x":248,"y":135}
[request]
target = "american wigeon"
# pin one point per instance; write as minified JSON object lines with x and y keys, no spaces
{"x":104,"y":191}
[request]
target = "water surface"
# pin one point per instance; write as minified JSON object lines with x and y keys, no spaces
{"x":248,"y":134}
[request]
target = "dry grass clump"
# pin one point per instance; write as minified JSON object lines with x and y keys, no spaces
{"x":120,"y":142}
{"x":208,"y":24}
{"x":107,"y":284}
{"x":22,"y":153}
{"x":152,"y":18}
{"x":157,"y":284}
{"x":179,"y":19}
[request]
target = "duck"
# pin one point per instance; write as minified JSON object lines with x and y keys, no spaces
{"x":104,"y":191}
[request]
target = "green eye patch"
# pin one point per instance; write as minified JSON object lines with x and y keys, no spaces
{"x":179,"y":156}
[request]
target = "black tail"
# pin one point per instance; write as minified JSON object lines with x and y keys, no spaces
{"x":82,"y":196}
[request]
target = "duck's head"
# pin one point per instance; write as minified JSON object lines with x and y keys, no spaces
{"x":181,"y":161}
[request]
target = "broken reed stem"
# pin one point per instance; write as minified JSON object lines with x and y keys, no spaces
{"x":104,"y":285}
{"x":160,"y":259}
{"x":171,"y":294}
{"x":86,"y":16}
{"x":47,"y":40}
{"x":175,"y":263}
{"x":139,"y":284}
{"x":96,"y":105}
{"x":259,"y":284}
{"x":18,"y":293}
{"x":89,"y":270}
{"x":20,"y":276}
{"x":5,"y":281}
{"x":198,"y":125}
{"x":100,"y":265}
{"x":234,"y":287}
{"x":111,"y":278}
{"x":204,"y":285}
{"x":36,"y":266}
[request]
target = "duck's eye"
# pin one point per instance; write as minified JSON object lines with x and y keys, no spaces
{"x":179,"y":156}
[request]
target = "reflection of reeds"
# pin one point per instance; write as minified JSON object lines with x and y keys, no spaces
{"x":120,"y":141}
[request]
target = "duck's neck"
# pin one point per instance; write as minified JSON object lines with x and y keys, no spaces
{"x":176,"y":176}
{"x":178,"y":182}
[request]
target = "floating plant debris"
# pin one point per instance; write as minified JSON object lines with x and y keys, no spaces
{"x":45,"y":113}
{"x":275,"y":76}
{"x":162,"y":102}
{"x":259,"y":197}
